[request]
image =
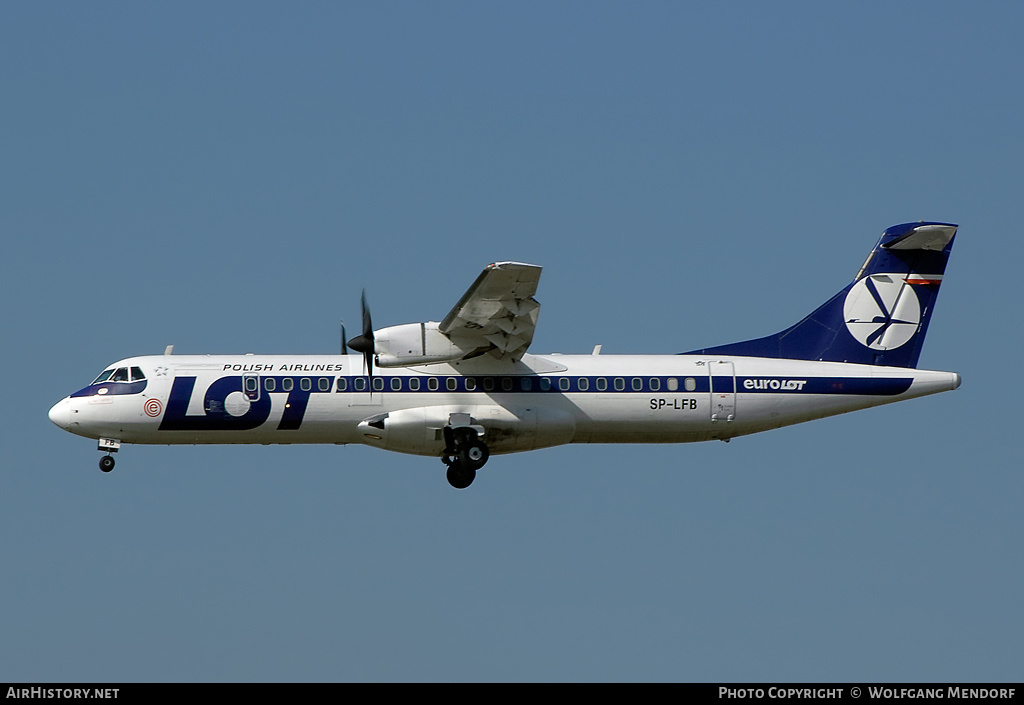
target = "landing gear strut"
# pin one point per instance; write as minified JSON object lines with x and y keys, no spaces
{"x":464,"y":454}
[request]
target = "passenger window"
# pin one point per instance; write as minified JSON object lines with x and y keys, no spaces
{"x":673,"y":384}
{"x":251,"y":384}
{"x":396,"y":384}
{"x":324,"y":384}
{"x":689,"y":384}
{"x":506,"y":384}
{"x":584,"y":384}
{"x":451,"y":384}
{"x":287,"y":383}
{"x":545,"y":384}
{"x":563,"y":383}
{"x":655,"y":384}
{"x":470,"y":384}
{"x":488,"y":384}
{"x":433,"y":384}
{"x":270,"y":384}
{"x":305,"y":384}
{"x":414,"y":383}
{"x":526,"y":383}
{"x":360,"y":384}
{"x":342,"y":384}
{"x":137,"y":375}
{"x":378,"y":384}
{"x":602,"y":384}
{"x":638,"y":384}
{"x":620,"y":384}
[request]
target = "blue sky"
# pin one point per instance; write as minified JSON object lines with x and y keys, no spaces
{"x":227,"y":177}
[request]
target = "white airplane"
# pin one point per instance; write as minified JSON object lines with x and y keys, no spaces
{"x":466,"y":388}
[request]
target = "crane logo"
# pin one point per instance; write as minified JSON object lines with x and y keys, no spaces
{"x":882,"y":311}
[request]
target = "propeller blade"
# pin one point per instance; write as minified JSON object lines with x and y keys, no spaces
{"x":365,"y":343}
{"x":367,"y":322}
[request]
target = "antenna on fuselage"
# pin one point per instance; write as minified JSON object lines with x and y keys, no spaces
{"x":169,"y":350}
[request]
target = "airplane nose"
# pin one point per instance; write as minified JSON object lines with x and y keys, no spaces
{"x":60,"y":413}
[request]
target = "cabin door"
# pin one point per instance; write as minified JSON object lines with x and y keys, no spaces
{"x":722,"y":378}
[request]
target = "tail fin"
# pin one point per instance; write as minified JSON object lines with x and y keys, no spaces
{"x":879,"y":319}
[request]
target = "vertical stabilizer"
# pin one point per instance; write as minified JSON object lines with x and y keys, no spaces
{"x":881,"y":317}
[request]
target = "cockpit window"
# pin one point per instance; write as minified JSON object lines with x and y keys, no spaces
{"x":120,"y":374}
{"x":104,"y":376}
{"x":115,"y":381}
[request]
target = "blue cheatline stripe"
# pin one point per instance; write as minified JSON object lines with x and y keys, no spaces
{"x":535,"y":384}
{"x":545,"y":384}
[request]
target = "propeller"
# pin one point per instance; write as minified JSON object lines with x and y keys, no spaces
{"x":365,"y":343}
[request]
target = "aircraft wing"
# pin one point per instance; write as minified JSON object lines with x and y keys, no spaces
{"x":498,"y":314}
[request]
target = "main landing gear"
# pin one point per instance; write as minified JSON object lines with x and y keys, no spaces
{"x":107,"y":463}
{"x":464,"y":454}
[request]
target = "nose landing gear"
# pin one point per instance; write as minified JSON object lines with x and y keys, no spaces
{"x":111,"y":445}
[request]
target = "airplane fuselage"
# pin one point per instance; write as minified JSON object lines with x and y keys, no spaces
{"x":540,"y":401}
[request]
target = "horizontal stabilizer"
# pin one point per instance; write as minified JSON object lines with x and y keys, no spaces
{"x":923,"y":237}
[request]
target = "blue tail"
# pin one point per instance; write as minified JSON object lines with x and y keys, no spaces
{"x":879,"y":319}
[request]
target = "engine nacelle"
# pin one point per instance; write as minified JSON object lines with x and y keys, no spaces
{"x":414,"y":344}
{"x":420,"y":430}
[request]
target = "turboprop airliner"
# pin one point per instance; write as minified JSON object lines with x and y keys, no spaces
{"x":465,"y":388}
